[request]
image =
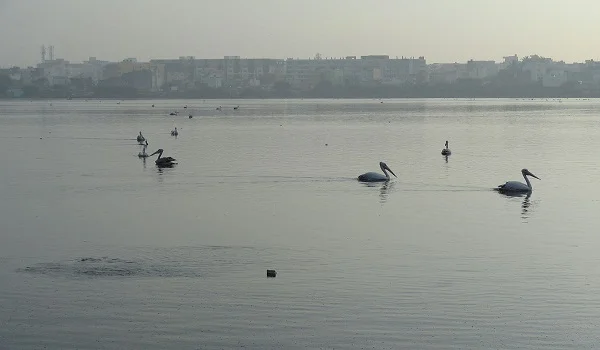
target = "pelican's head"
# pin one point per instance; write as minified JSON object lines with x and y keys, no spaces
{"x":160,"y":150}
{"x":446,"y":144}
{"x":527,"y":172}
{"x":384,"y":167}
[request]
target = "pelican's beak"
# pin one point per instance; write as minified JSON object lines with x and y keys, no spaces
{"x":390,"y":170}
{"x":153,"y":154}
{"x":529,"y":173}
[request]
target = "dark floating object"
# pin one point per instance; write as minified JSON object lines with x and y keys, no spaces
{"x":152,"y":106}
{"x":326,"y":145}
{"x":271,"y":273}
{"x":190,"y":116}
{"x":446,"y":151}
{"x":236,"y":107}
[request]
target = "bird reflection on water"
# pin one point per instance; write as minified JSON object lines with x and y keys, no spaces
{"x":384,"y":189}
{"x":525,"y":204}
{"x":525,"y":207}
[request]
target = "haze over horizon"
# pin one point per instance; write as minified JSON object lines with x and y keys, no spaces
{"x":442,"y":31}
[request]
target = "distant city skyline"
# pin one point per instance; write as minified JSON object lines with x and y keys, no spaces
{"x":441,"y":31}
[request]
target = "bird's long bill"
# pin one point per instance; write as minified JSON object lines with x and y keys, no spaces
{"x":530,"y":174}
{"x":153,"y":154}
{"x":390,"y":170}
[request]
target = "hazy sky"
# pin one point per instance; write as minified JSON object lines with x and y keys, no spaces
{"x":440,"y":30}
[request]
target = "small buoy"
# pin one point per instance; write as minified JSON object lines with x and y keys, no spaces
{"x":326,"y":145}
{"x":271,"y":273}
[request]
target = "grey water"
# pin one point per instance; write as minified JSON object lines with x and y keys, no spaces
{"x":102,"y":250}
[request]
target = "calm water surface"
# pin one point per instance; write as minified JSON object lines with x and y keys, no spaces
{"x":101,"y":250}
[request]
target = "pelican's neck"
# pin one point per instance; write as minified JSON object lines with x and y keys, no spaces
{"x":527,"y":180}
{"x":386,"y":173}
{"x":159,"y":155}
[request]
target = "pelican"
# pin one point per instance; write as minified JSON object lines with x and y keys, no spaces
{"x":236,"y":108}
{"x":219,"y":108}
{"x":163,"y":162}
{"x":140,"y":138}
{"x":143,"y":153}
{"x":516,"y":186}
{"x":173,"y":113}
{"x":377,"y":177}
{"x":174,"y":132}
{"x":446,"y":151}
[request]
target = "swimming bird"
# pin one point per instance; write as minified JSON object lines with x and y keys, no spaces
{"x":219,"y":108}
{"x":140,"y":138}
{"x":236,"y":108}
{"x":446,"y":151}
{"x":143,"y":153}
{"x":174,"y":113}
{"x":516,"y":186}
{"x":377,"y":177}
{"x":165,"y":162}
{"x":174,"y":132}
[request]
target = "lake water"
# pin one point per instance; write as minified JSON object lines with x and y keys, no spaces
{"x":101,"y":250}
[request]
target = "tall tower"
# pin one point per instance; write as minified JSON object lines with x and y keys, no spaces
{"x":43,"y":52}
{"x":51,"y":52}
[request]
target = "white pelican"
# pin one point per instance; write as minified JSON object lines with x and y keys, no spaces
{"x":140,"y":138}
{"x":174,"y":132}
{"x":516,"y":186}
{"x":446,"y":151}
{"x":143,"y":153}
{"x":165,"y":162}
{"x":377,"y":177}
